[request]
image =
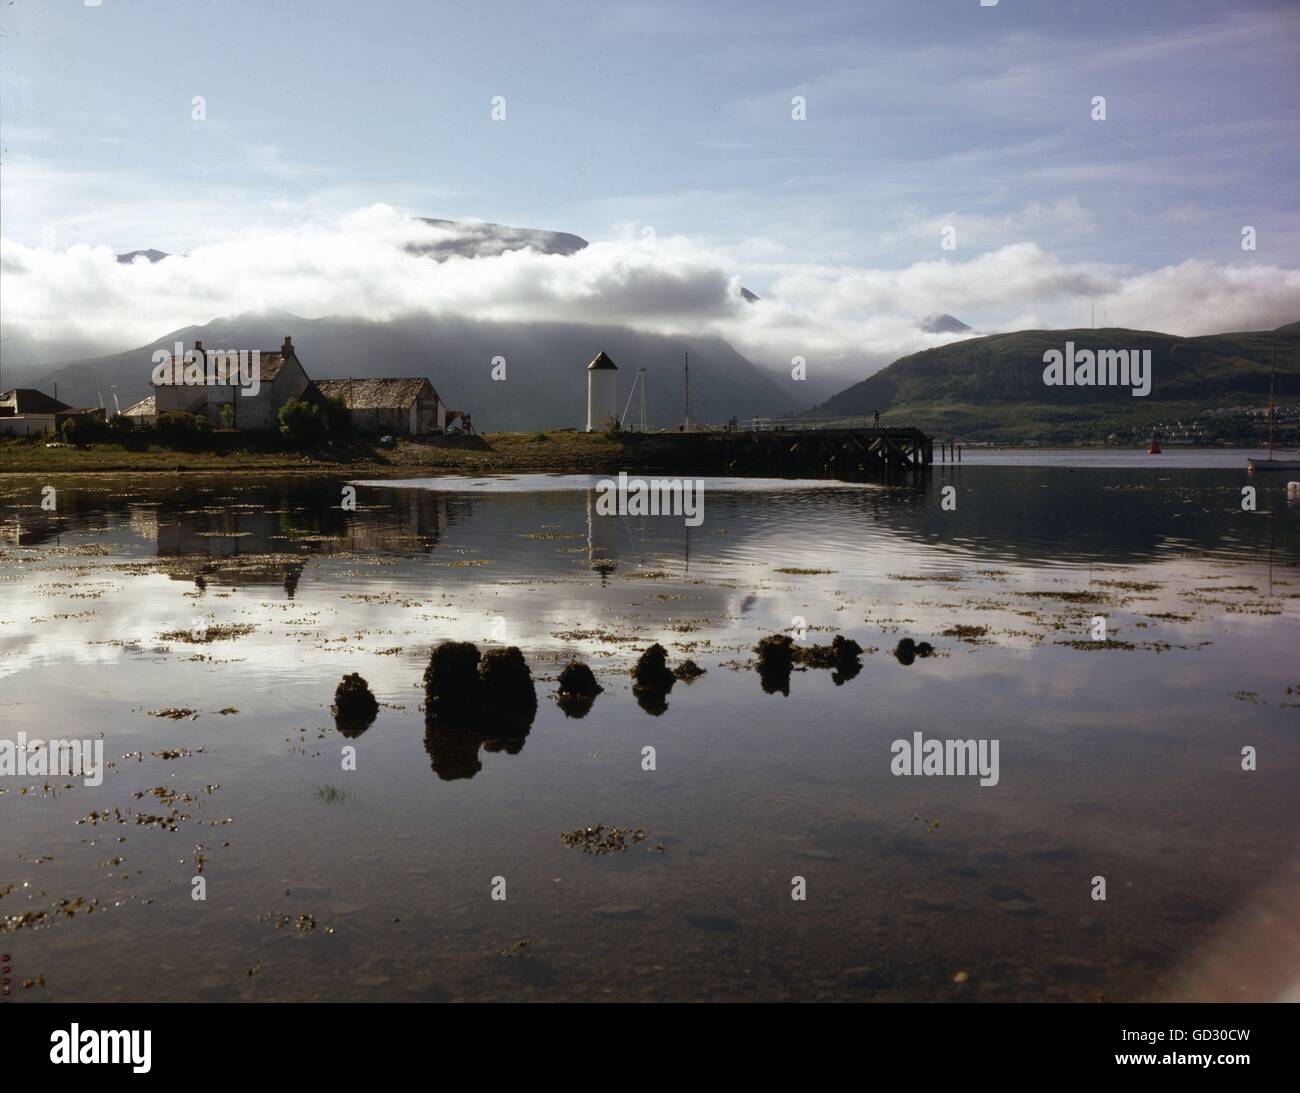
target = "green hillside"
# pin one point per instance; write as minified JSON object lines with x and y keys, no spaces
{"x":991,"y":388}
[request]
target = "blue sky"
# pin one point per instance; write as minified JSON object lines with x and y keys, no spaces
{"x":620,"y":117}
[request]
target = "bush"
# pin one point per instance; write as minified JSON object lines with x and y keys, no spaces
{"x":84,"y":430}
{"x":186,"y":432}
{"x":301,"y":424}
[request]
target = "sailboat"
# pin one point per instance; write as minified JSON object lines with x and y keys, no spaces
{"x":1271,"y":464}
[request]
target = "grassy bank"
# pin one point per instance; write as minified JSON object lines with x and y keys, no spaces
{"x":493,"y":453}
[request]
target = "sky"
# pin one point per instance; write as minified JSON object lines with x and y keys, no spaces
{"x":665,"y":134}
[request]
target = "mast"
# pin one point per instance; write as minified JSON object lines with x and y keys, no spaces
{"x":686,"y":379}
{"x":1272,"y":373}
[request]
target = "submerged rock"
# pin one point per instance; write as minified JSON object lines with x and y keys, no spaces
{"x":688,"y":671}
{"x":354,"y":706}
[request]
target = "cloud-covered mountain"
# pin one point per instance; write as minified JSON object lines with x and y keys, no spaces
{"x":476,"y":239}
{"x":832,"y":322}
{"x":943,"y":324}
{"x":545,"y":366}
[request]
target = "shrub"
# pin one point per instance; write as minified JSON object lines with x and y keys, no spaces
{"x":186,"y":432}
{"x":301,"y":423}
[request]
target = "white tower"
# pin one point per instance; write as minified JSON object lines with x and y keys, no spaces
{"x":602,"y":392}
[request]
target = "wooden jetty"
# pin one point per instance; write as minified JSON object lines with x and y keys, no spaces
{"x":802,"y":448}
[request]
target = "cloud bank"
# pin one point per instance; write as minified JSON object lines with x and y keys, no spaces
{"x":842,"y":320}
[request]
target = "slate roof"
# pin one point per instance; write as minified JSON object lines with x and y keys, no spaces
{"x":32,"y":401}
{"x":375,"y":394}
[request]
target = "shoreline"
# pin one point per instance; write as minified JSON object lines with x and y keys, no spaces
{"x":561,"y":452}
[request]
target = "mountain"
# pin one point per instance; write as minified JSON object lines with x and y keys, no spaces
{"x":546,"y":377}
{"x":991,"y":388}
{"x":131,"y":255}
{"x":943,"y":324}
{"x":476,"y":239}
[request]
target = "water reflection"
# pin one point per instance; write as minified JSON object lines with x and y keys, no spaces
{"x":1123,"y":761}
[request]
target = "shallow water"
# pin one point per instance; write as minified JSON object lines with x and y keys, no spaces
{"x":1122,"y":762}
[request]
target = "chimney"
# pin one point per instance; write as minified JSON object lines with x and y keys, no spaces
{"x":288,"y":344}
{"x":198,"y":347}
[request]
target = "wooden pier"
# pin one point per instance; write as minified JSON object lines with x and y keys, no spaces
{"x":802,"y":449}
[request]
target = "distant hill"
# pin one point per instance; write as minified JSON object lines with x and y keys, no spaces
{"x":545,"y":366}
{"x":991,"y":388}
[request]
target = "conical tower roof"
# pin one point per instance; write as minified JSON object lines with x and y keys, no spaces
{"x":601,"y":360}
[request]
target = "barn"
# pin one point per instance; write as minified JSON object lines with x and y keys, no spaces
{"x":407,"y":406}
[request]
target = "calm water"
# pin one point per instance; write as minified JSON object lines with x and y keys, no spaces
{"x":1122,"y":762}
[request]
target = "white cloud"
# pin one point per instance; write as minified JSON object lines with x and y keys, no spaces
{"x":841,"y":319}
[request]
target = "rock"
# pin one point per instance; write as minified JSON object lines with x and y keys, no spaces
{"x":451,"y":680}
{"x":775,"y":653}
{"x":651,"y":669}
{"x":775,"y":661}
{"x":578,"y":681}
{"x":908,"y":650}
{"x":507,"y":685}
{"x":354,"y":706}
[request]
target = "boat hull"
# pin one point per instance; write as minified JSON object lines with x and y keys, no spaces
{"x":1274,"y":464}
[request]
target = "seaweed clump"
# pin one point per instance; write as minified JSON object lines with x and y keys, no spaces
{"x":354,"y":706}
{"x":908,"y":650}
{"x":687,"y":672}
{"x":775,"y":662}
{"x":578,"y":689}
{"x":451,"y":680}
{"x":651,"y":669}
{"x":475,"y":701}
{"x":652,"y":680}
{"x":843,"y":656}
{"x":507,"y":687}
